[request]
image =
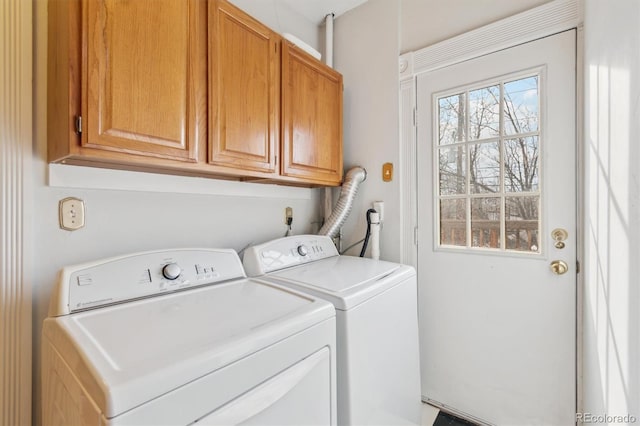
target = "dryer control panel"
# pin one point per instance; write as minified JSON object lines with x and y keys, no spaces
{"x":287,"y":252}
{"x":138,"y":275}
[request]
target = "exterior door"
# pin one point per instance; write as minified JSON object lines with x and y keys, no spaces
{"x":497,"y":234}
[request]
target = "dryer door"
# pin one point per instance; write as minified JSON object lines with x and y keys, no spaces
{"x":292,"y":382}
{"x":283,"y":399}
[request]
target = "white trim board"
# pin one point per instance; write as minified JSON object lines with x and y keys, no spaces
{"x":408,"y":174}
{"x":16,"y":206}
{"x":67,"y":176}
{"x":550,"y":18}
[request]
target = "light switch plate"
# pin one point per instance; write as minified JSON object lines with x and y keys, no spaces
{"x":71,"y":213}
{"x":387,"y":172}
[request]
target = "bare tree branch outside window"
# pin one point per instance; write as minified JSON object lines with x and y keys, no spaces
{"x":489,"y":151}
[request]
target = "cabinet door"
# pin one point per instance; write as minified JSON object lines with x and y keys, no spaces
{"x":244,"y":90}
{"x":311,"y":118}
{"x":142,"y":92}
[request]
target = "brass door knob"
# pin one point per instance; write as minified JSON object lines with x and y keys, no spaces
{"x":559,"y":267}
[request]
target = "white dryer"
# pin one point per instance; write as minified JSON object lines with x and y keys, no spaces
{"x":182,"y":336}
{"x":377,"y":323}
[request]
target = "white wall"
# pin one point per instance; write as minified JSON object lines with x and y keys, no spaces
{"x":612,"y":212}
{"x":425,"y":22}
{"x":119,"y":222}
{"x":366,"y":53}
{"x":282,"y":19}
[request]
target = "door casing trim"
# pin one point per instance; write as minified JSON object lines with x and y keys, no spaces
{"x":542,"y":21}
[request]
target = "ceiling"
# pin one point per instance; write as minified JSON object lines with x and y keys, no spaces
{"x":316,"y":10}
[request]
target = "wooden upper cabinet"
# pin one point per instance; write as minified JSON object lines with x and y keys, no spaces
{"x":311,"y":118}
{"x":192,"y":87}
{"x":244,"y":91}
{"x":135,"y":72}
{"x":142,"y":85}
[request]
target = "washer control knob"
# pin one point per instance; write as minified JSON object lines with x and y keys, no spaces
{"x":303,"y":250}
{"x":171,"y":271}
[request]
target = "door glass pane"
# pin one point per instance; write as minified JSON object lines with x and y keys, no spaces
{"x":451,"y":119}
{"x":522,"y":223}
{"x":485,"y":222}
{"x":488,"y":157}
{"x":453,"y":222}
{"x":484,"y":167}
{"x":521,"y":164}
{"x":521,"y":106}
{"x":484,"y":113}
{"x":453,"y":167}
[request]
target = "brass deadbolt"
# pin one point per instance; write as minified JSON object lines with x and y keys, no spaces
{"x":559,"y":235}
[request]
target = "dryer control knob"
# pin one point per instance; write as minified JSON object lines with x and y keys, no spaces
{"x":171,"y":271}
{"x":303,"y":250}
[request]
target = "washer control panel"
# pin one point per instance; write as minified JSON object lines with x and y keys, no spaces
{"x":286,"y":252}
{"x":139,"y":275}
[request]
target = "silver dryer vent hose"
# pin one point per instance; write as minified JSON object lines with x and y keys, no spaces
{"x":355,"y":176}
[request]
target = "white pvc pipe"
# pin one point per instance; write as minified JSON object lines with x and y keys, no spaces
{"x":374,"y":238}
{"x":328,"y":40}
{"x":328,"y":59}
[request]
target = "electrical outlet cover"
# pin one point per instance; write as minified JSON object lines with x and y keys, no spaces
{"x":379,"y":207}
{"x":71,"y":213}
{"x":288,"y":213}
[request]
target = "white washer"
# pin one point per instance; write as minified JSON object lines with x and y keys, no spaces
{"x":146,"y":339}
{"x":377,"y":323}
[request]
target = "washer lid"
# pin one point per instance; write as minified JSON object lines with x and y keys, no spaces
{"x":344,"y":280}
{"x":128,"y":354}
